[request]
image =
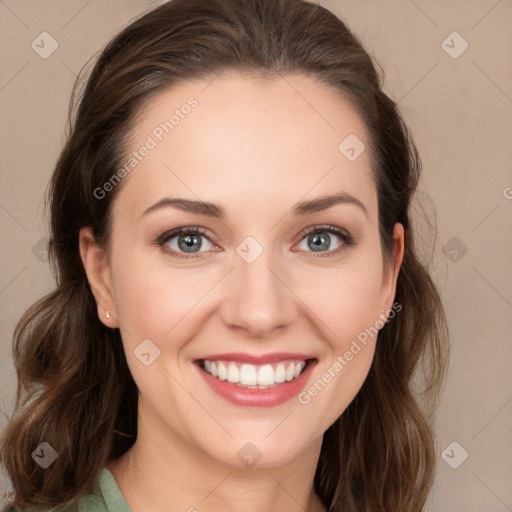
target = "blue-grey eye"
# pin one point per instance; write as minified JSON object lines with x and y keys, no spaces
{"x":319,"y":241}
{"x":188,"y":242}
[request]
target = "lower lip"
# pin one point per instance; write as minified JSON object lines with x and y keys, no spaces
{"x":269,"y":397}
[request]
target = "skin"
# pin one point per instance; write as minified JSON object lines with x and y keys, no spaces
{"x":255,"y":149}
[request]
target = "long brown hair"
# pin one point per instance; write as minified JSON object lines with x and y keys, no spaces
{"x":75,"y":390}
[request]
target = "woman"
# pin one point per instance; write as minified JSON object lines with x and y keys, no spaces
{"x":240,"y":321}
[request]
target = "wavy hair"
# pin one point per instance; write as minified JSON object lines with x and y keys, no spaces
{"x":75,"y":390}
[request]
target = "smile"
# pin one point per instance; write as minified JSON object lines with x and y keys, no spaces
{"x":254,"y":376}
{"x":256,"y":381}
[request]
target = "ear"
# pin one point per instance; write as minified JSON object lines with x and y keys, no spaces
{"x":391,"y":271}
{"x":97,"y":268}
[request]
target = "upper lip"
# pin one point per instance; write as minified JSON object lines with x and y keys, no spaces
{"x":257,"y":359}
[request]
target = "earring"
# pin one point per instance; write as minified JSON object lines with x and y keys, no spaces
{"x":107,"y":314}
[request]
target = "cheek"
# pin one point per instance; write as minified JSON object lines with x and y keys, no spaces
{"x":345,"y":300}
{"x":154,"y":301}
{"x":347,"y":303}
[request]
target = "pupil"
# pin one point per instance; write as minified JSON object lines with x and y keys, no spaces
{"x":187,"y":242}
{"x":319,"y":242}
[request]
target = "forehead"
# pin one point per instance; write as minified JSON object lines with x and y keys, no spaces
{"x":236,"y":139}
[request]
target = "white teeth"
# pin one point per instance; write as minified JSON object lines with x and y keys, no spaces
{"x":223,"y":373}
{"x":266,"y":375}
{"x":248,"y":375}
{"x":290,"y":371}
{"x":280,"y":373}
{"x":233,"y":374}
{"x":253,"y":376}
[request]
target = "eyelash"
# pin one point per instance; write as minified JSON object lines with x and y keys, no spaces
{"x":348,"y":240}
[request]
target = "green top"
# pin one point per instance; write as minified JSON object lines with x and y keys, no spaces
{"x":106,"y":497}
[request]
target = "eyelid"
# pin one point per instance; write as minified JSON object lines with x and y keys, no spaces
{"x":325,"y":227}
{"x":171,"y":233}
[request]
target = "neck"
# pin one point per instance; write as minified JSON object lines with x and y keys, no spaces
{"x":163,"y":472}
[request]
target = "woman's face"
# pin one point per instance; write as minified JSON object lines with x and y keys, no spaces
{"x":246,"y":292}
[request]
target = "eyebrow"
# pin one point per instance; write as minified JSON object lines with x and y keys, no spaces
{"x":212,"y":210}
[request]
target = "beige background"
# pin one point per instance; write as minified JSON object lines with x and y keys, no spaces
{"x":460,"y":110}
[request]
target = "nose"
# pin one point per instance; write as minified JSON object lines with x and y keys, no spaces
{"x":257,"y":298}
